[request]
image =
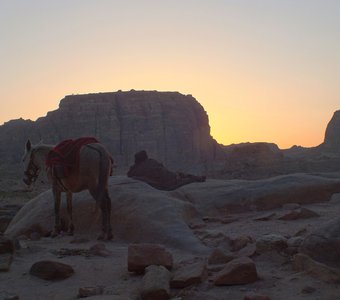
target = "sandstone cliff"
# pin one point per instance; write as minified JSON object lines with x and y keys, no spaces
{"x":332,"y":135}
{"x":171,"y":127}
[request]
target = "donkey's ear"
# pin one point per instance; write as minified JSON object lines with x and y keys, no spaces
{"x":28,"y":145}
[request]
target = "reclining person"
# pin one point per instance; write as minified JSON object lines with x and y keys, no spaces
{"x":155,"y":174}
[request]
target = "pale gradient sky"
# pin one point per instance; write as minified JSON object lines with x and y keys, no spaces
{"x":263,"y":70}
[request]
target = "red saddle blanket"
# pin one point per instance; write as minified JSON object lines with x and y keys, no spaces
{"x":66,"y":153}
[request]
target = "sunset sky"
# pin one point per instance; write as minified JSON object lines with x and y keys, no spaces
{"x":264,"y":70}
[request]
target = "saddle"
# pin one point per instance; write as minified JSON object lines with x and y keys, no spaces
{"x":64,"y":157}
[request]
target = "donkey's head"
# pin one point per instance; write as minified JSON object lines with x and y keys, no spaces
{"x":31,"y":168}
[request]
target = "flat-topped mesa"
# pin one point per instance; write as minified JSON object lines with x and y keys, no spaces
{"x":332,"y":135}
{"x":171,"y":127}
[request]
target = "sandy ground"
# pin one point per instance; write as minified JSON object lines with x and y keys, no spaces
{"x":277,"y":278}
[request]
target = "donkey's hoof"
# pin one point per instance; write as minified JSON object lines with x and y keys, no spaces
{"x":54,"y":234}
{"x":109,"y":236}
{"x":101,"y":237}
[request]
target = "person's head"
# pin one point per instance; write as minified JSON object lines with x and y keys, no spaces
{"x":140,"y":156}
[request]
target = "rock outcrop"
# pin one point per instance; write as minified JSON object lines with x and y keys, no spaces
{"x":173,"y":129}
{"x":332,"y":135}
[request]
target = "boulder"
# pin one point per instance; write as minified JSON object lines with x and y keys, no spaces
{"x":303,"y":263}
{"x":323,"y":245}
{"x":140,"y":214}
{"x":51,"y":270}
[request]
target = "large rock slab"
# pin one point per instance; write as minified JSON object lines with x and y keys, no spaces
{"x":216,"y":197}
{"x":140,"y":214}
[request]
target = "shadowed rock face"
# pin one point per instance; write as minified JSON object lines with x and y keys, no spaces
{"x":332,"y":136}
{"x":171,"y":127}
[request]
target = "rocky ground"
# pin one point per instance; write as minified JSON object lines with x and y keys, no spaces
{"x":235,"y":254}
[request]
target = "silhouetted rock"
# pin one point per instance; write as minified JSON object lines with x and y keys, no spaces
{"x":332,"y":135}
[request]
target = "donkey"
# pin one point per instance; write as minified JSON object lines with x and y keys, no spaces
{"x":92,"y":173}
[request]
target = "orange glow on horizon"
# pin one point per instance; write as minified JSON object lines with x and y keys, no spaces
{"x":260,"y":76}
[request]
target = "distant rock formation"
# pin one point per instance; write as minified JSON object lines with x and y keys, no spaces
{"x":332,"y":135}
{"x":171,"y":127}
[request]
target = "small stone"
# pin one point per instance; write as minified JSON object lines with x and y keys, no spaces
{"x":291,"y":206}
{"x":270,"y":242}
{"x":229,"y":219}
{"x":156,"y":283}
{"x":90,"y":291}
{"x":12,"y":297}
{"x":256,"y":297}
{"x":79,"y":241}
{"x":218,"y":256}
{"x":294,"y":244}
{"x":141,"y":256}
{"x":189,"y":275}
{"x":300,"y":213}
{"x":249,"y":250}
{"x":100,"y":250}
{"x":238,"y":271}
{"x":240,"y":242}
{"x":51,"y":270}
{"x":265,"y":217}
{"x":308,"y":290}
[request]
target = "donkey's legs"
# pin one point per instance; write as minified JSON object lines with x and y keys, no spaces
{"x":69,"y":212}
{"x":57,"y":199}
{"x":98,"y":196}
{"x":108,"y":215}
{"x":103,"y":206}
